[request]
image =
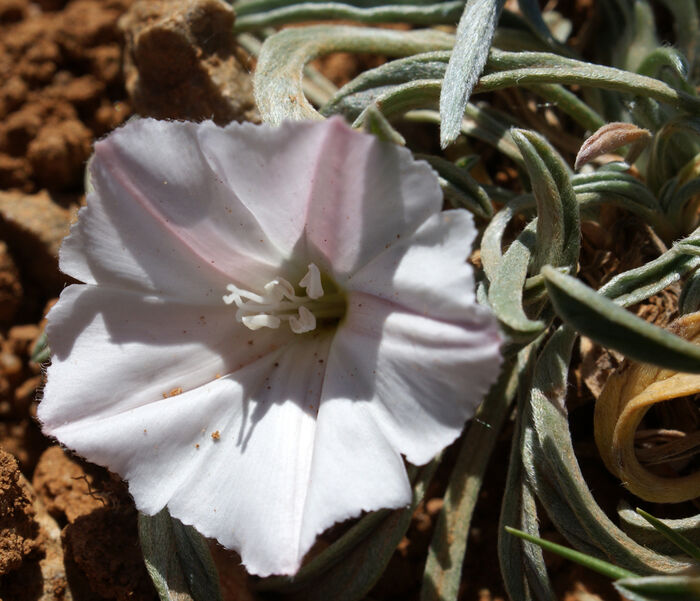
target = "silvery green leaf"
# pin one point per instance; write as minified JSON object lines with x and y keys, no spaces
{"x":533,"y":15}
{"x":506,"y":69}
{"x":643,"y":532}
{"x":506,"y":288}
{"x":362,"y":91}
{"x":294,"y":12}
{"x":669,"y":65}
{"x":558,"y":228}
{"x":635,"y":285}
{"x":522,"y":564}
{"x":177,"y":559}
{"x":377,"y":124}
{"x":474,"y":35}
{"x":613,"y":327}
{"x":674,"y":145}
{"x":625,"y":192}
{"x":682,"y":203}
{"x":686,"y":15}
{"x":689,"y":301}
{"x":660,"y":588}
{"x":643,"y":39}
{"x":461,"y":189}
{"x":492,"y":240}
{"x":40,"y":352}
{"x":592,"y":563}
{"x":680,"y":541}
{"x":278,"y":76}
{"x":552,"y":469}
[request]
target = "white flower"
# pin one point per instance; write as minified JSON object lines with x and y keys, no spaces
{"x":269,"y":319}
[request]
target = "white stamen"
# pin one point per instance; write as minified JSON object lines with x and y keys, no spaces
{"x":255,"y":322}
{"x":304,"y":323}
{"x":312,"y":282}
{"x":277,"y":289}
{"x":234,"y":297}
{"x":279,"y":303}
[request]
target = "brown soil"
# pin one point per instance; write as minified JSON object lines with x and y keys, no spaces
{"x":61,"y":87}
{"x":19,"y":532}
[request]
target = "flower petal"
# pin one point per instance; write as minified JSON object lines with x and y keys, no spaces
{"x":161,"y":221}
{"x":419,"y":378}
{"x":427,"y":271}
{"x":114,"y":351}
{"x":324,"y":191}
{"x":234,"y":457}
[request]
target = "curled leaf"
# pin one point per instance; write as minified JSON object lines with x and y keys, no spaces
{"x":610,"y":137}
{"x":625,"y":399}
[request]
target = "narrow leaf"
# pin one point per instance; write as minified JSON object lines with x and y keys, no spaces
{"x":177,"y":559}
{"x":685,"y":545}
{"x":506,"y":289}
{"x":660,"y":588}
{"x":553,"y":471}
{"x":40,"y":352}
{"x":377,"y":124}
{"x":612,"y":326}
{"x":278,"y":76}
{"x":592,"y":563}
{"x":645,"y":534}
{"x":558,"y":228}
{"x":443,"y":567}
{"x":463,"y":191}
{"x":435,"y":14}
{"x":474,"y":36}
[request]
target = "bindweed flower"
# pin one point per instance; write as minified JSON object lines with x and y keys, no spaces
{"x":269,"y":319}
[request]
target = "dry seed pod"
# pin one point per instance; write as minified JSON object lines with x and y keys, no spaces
{"x":611,"y":137}
{"x":625,"y":399}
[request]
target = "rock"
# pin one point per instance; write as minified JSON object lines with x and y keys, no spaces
{"x":180,"y":62}
{"x":12,"y":10}
{"x":19,"y":531}
{"x":61,"y":87}
{"x":22,"y":438}
{"x":64,"y":486}
{"x":34,"y":226}
{"x":11,"y":291}
{"x":100,"y":539}
{"x":59,"y":152}
{"x":41,"y":575}
{"x":53,"y":572}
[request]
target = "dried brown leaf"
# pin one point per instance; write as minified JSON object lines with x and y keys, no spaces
{"x":626,"y":398}
{"x":610,"y":137}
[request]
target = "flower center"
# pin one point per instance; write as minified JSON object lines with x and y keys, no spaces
{"x":279,"y":303}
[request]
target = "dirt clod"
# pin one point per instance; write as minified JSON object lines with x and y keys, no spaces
{"x":34,"y":226}
{"x":19,"y":531}
{"x":61,"y":74}
{"x":181,"y":62}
